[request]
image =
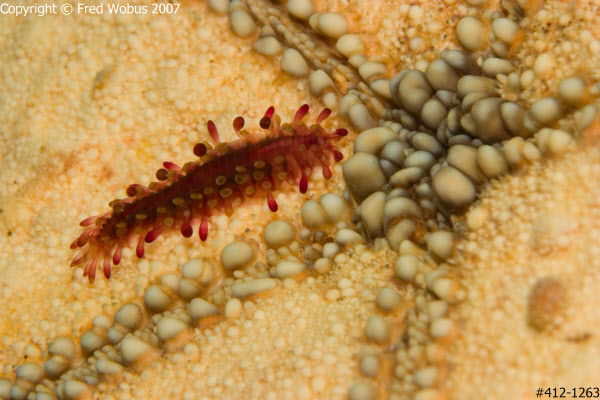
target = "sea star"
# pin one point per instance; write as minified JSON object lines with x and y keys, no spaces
{"x":83,"y":87}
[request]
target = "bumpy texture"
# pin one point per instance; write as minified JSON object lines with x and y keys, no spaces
{"x":178,"y":325}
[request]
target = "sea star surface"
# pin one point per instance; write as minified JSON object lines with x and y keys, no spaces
{"x":94,"y":102}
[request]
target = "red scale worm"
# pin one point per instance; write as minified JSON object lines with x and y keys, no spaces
{"x":222,"y":178}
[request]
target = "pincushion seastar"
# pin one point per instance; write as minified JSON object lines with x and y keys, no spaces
{"x":145,"y":88}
